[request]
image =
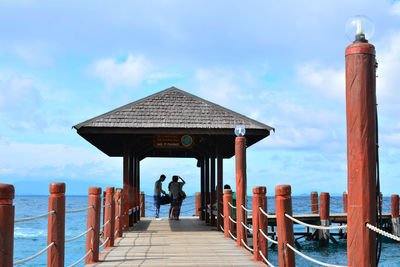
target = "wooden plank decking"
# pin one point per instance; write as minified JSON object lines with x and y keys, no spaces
{"x":188,"y":242}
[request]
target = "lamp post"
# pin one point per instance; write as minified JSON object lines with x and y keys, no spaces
{"x":361,"y":143}
{"x":241,"y":184}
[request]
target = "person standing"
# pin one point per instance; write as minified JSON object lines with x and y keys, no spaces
{"x":177,"y":196}
{"x":157,"y":194}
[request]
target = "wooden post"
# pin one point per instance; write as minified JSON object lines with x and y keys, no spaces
{"x":142,"y":204}
{"x":93,"y":221}
{"x":283,"y":205}
{"x":125,"y":193}
{"x":207,"y":178}
{"x":7,"y":214}
{"x":138,"y":189}
{"x":260,"y":222}
{"x":361,"y":153}
{"x":324,"y":200}
{"x":118,"y":212}
{"x":213,"y":196}
{"x":314,"y":202}
{"x":203,"y":191}
{"x":109,"y":216}
{"x":56,"y":225}
{"x":345,"y":202}
{"x":197,"y":200}
{"x":220,"y":210}
{"x":241,"y":188}
{"x":227,"y":212}
{"x":395,"y":215}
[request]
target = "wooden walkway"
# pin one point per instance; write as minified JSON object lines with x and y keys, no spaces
{"x":188,"y":242}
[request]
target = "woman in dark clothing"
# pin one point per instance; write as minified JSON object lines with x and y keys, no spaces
{"x":177,"y":195}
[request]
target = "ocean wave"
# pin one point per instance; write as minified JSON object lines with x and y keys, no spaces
{"x":29,"y":233}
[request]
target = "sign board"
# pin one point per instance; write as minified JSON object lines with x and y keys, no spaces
{"x":172,"y":141}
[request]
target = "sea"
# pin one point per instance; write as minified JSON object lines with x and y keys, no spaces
{"x":31,"y":236}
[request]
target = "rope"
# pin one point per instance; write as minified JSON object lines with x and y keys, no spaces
{"x":250,"y":249}
{"x":105,"y":206}
{"x":316,"y":226}
{"x":245,"y":226}
{"x":263,"y":212}
{"x":222,"y":215}
{"x":381,"y":232}
{"x":74,"y":211}
{"x":243,"y":207}
{"x":116,"y":218}
{"x":232,"y":220}
{"x":313,"y":260}
{"x":116,"y":231}
{"x":35,"y":217}
{"x":107,"y":222}
{"x":262,"y":256}
{"x":222,"y":228}
{"x":234,"y":238}
{"x":81,"y":259}
{"x":76,"y":237}
{"x":34,"y":256}
{"x":102,"y":245}
{"x":233,"y":207}
{"x":268,"y":238}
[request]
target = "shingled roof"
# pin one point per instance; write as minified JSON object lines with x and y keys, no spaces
{"x":169,"y":111}
{"x":173,"y":108}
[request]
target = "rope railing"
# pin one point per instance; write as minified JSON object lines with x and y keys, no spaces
{"x":243,"y":207}
{"x":107,"y":222}
{"x":222,"y":215}
{"x":105,"y":206}
{"x":34,"y":256}
{"x":116,"y":231}
{"x":245,"y":226}
{"x":80,"y":210}
{"x":232,"y":220}
{"x":262,"y":256}
{"x":267,"y":237}
{"x":381,"y":232}
{"x":81,"y":259}
{"x":316,"y":226}
{"x":233,"y":207}
{"x":234,"y":238}
{"x":79,"y":236}
{"x":263,"y":212}
{"x":248,"y":248}
{"x":222,"y":228}
{"x":104,"y":243}
{"x":34,"y":217}
{"x":311,"y":259}
{"x":116,"y":217}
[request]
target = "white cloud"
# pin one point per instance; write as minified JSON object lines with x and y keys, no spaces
{"x":34,"y":53}
{"x":395,"y":9}
{"x":327,"y":82}
{"x":130,"y":72}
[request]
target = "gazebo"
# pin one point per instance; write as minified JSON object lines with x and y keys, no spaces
{"x":170,"y":123}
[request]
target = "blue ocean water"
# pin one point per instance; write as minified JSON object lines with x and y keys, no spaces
{"x":31,"y":236}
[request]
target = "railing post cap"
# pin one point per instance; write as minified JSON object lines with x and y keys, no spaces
{"x":94,"y":190}
{"x":324,"y":194}
{"x":259,"y":190}
{"x":227,"y":191}
{"x":57,"y":188}
{"x":198,"y":193}
{"x":142,"y":192}
{"x":110,"y":190}
{"x":344,"y":193}
{"x":314,"y":193}
{"x":7,"y":191}
{"x":240,"y":139}
{"x":395,"y":196}
{"x":283,"y":190}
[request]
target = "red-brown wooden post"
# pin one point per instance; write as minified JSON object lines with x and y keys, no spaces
{"x":7,"y":214}
{"x":118,"y":212}
{"x":109,"y":216}
{"x":104,"y":208}
{"x":361,"y":153}
{"x":314,"y":202}
{"x":345,"y":202}
{"x":283,"y":205}
{"x":227,"y":212}
{"x":324,"y":201}
{"x":197,"y":203}
{"x":125,"y":192}
{"x":56,"y":225}
{"x":93,"y":220}
{"x":241,"y":188}
{"x":207,"y":188}
{"x":220,"y":209}
{"x":260,"y":222}
{"x":395,"y":215}
{"x":142,"y":204}
{"x":213,"y":200}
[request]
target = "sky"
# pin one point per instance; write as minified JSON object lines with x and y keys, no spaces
{"x":279,"y":62}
